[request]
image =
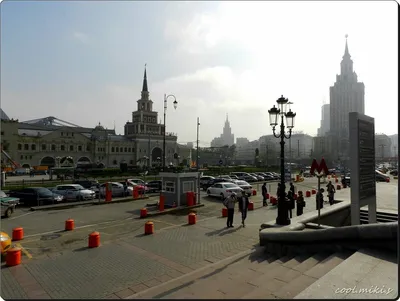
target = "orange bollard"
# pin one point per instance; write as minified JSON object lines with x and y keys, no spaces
{"x":13,"y":257}
{"x":148,"y":228}
{"x":251,"y":206}
{"x":254,"y":192}
{"x":224,"y":212}
{"x":313,"y":191}
{"x":338,"y":187}
{"x":192,"y":218}
{"x":18,"y":234}
{"x":143,"y":212}
{"x":69,"y":225}
{"x":94,"y":239}
{"x":308,"y":193}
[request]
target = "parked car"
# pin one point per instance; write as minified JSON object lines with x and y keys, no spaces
{"x":234,"y":177}
{"x":245,"y":186}
{"x":117,"y":189}
{"x":223,"y":189}
{"x":74,"y":192}
{"x":394,"y":172}
{"x":7,"y":204}
{"x":224,"y":177}
{"x":214,"y":181}
{"x":138,"y":181}
{"x":142,"y":188}
{"x":267,"y":177}
{"x":154,"y":186}
{"x":258,"y":177}
{"x":204,"y":180}
{"x":379,"y":177}
{"x":34,"y":196}
{"x":248,"y":178}
{"x":87,"y":183}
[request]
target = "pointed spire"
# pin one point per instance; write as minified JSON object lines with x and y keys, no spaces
{"x":227,"y":117}
{"x":346,"y":50}
{"x":145,"y":89}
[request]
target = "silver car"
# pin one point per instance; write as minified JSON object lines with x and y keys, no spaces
{"x":74,"y":192}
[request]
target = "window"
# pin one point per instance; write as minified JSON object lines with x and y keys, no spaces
{"x":43,"y":147}
{"x":53,"y":147}
{"x":114,"y":162}
{"x":63,"y":147}
{"x":126,"y":149}
{"x":187,"y":186}
{"x":19,"y":146}
{"x":26,"y":146}
{"x":2,"y":133}
{"x":80,"y":148}
{"x":30,"y":157}
{"x":21,"y":157}
{"x":72,"y":134}
{"x":169,"y":187}
{"x":112,"y":149}
{"x":88,"y":148}
{"x":62,"y":134}
{"x":33,"y":147}
{"x":131,"y":162}
{"x":71,"y":148}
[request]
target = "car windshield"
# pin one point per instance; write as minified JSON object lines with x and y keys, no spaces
{"x":79,"y":187}
{"x":242,"y":183}
{"x":3,"y":194}
{"x":44,"y":192}
{"x":230,"y":185}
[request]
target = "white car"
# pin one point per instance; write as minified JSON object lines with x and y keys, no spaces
{"x":225,"y":177}
{"x":117,"y":190}
{"x":74,"y":192}
{"x":245,"y":186}
{"x":223,"y":189}
{"x":138,"y":181}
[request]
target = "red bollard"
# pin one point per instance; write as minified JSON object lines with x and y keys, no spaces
{"x":13,"y":257}
{"x":308,"y":193}
{"x":94,"y":240}
{"x":254,"y":192}
{"x":17,"y":234}
{"x":143,"y":212}
{"x":338,"y":187}
{"x":192,"y":218}
{"x":251,"y":206}
{"x":189,"y":198}
{"x":161,"y":203}
{"x":267,"y":196}
{"x":273,"y":200}
{"x":313,"y":191}
{"x":336,"y":180}
{"x":224,"y":212}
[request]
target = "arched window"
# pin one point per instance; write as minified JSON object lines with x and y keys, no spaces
{"x":80,"y":148}
{"x":26,"y":146}
{"x":63,"y":147}
{"x":112,"y":149}
{"x":19,"y":146}
{"x":33,"y":147}
{"x":129,"y":149}
{"x":53,"y":147}
{"x":71,"y":148}
{"x":43,"y":147}
{"x":126,"y":149}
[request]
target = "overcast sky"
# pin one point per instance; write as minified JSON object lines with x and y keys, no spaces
{"x":83,"y":61}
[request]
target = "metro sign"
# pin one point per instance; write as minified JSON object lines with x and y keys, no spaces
{"x":319,"y":168}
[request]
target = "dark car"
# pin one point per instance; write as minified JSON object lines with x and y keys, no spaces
{"x":394,"y":172}
{"x":36,"y":196}
{"x":87,"y":183}
{"x":154,"y":186}
{"x":214,"y":181}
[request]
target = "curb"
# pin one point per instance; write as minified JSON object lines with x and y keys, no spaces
{"x":88,"y":203}
{"x":167,"y":211}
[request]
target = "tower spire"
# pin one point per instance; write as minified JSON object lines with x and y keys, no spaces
{"x":346,"y":49}
{"x":145,"y":89}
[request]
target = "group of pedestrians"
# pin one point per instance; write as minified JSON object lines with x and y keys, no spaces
{"x":292,"y":202}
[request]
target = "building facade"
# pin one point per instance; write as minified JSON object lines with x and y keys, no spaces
{"x":52,"y":142}
{"x":383,"y":147}
{"x":346,"y":95}
{"x":325,"y":120}
{"x":226,"y":138}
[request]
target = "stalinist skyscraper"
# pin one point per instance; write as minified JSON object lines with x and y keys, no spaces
{"x":346,"y":95}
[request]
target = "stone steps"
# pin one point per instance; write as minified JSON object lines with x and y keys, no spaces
{"x":258,"y":276}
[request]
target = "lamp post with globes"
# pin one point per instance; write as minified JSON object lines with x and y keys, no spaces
{"x":274,"y":114}
{"x":165,"y":111}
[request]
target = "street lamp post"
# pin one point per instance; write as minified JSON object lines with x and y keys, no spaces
{"x":274,"y":113}
{"x":165,"y":111}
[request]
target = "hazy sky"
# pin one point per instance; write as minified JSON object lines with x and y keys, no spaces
{"x":83,"y":61}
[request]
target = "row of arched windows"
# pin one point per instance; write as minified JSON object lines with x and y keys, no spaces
{"x":53,"y":147}
{"x":122,"y":149}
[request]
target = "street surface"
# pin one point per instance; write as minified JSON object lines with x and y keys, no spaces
{"x":58,"y":264}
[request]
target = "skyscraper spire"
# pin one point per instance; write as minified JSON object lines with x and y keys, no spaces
{"x":145,"y":89}
{"x":227,"y":117}
{"x":346,"y":49}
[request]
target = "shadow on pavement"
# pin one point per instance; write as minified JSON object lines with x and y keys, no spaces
{"x":81,"y":249}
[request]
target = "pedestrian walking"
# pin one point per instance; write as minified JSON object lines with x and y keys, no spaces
{"x":291,"y":202}
{"x":291,"y":187}
{"x":229,"y":203}
{"x":264,"y":192}
{"x":331,"y":192}
{"x":243,"y":206}
{"x":300,"y":204}
{"x":319,"y":199}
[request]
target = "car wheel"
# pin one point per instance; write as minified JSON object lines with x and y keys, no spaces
{"x":222,"y":197}
{"x":8,"y":212}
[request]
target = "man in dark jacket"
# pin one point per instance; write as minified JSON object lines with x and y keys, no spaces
{"x":291,"y":188}
{"x":243,"y":206}
{"x":264,"y":194}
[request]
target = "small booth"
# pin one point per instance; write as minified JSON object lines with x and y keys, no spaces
{"x":175,"y":187}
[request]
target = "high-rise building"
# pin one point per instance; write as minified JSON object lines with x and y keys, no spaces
{"x":226,"y":138}
{"x":346,"y":95}
{"x":325,"y":120}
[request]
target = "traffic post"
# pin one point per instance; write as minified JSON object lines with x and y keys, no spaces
{"x":322,"y":170}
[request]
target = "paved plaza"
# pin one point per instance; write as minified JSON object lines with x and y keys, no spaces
{"x":57,"y":264}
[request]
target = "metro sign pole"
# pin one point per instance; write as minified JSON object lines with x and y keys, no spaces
{"x":322,"y":170}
